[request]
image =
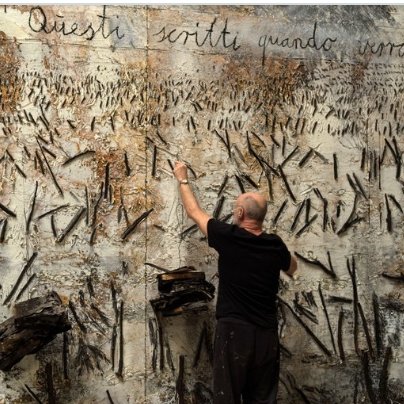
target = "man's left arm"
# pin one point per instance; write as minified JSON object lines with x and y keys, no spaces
{"x":191,"y":205}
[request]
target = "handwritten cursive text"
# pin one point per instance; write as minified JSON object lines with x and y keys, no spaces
{"x":296,"y":43}
{"x":209,"y":37}
{"x":38,"y":22}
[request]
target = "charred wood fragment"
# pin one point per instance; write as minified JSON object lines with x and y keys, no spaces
{"x":113,"y":346}
{"x":33,"y":395}
{"x":352,"y":219}
{"x":180,"y":383}
{"x":119,"y":372}
{"x":85,"y":153}
{"x":377,"y":324}
{"x":24,"y":288}
{"x":278,"y":214}
{"x":218,"y":207}
{"x":127,"y":166}
{"x":3,"y":223}
{"x":340,"y":333}
{"x":307,"y":329}
{"x":181,"y":289}
{"x":109,"y":398}
{"x":36,"y":322}
{"x":106,"y":186}
{"x":297,"y":215}
{"x":103,"y":317}
{"x":72,"y":224}
{"x":368,"y":380}
{"x":388,"y":215}
{"x":7,"y":210}
{"x":53,"y":226}
{"x":327,"y":317}
{"x":289,"y":156}
{"x":169,"y":356}
{"x":366,"y":330}
{"x":133,"y":226}
{"x":65,"y":357}
{"x":339,"y":299}
{"x":19,"y":279}
{"x":50,"y":170}
{"x":384,"y":376}
{"x":334,"y":156}
{"x":240,"y":184}
{"x":226,"y":177}
{"x":32,"y":208}
{"x":285,"y":181}
{"x":49,"y":383}
{"x":76,"y":317}
{"x":305,"y":158}
{"x":352,"y":274}
{"x":49,"y":212}
{"x":316,"y":263}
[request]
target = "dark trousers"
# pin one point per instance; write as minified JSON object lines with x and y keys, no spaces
{"x":246,"y":363}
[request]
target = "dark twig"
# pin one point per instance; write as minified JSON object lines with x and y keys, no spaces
{"x":76,"y":317}
{"x":113,"y":346}
{"x":306,"y":226}
{"x":34,"y":396}
{"x":65,"y":355}
{"x":297,"y":215}
{"x":77,"y":156}
{"x":278,"y":214}
{"x":32,"y":208}
{"x":368,"y":380}
{"x":71,"y":225}
{"x":180,"y":383}
{"x":106,"y":186}
{"x":23,"y":272}
{"x":307,"y":329}
{"x":7,"y":210}
{"x":110,"y":398}
{"x":384,"y":375}
{"x":366,"y":329}
{"x":127,"y":166}
{"x":119,"y":373}
{"x":49,"y":384}
{"x":316,"y":263}
{"x":133,"y":226}
{"x":334,"y":156}
{"x":50,"y":170}
{"x":49,"y":212}
{"x":327,"y":317}
{"x":24,"y":288}
{"x":352,"y":273}
{"x":3,"y":230}
{"x":377,"y":324}
{"x":340,"y":333}
{"x":285,"y":181}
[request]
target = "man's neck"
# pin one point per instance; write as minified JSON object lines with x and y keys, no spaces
{"x":251,"y":227}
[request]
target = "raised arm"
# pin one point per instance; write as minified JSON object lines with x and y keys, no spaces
{"x":191,"y":205}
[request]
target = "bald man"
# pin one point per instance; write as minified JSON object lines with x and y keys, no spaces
{"x":246,"y":357}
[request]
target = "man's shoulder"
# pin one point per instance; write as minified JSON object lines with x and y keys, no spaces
{"x":272,"y":237}
{"x":219,"y":225}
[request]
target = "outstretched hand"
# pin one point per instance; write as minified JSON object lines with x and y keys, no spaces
{"x":180,"y":171}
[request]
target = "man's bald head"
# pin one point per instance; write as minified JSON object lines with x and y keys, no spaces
{"x":254,"y":205}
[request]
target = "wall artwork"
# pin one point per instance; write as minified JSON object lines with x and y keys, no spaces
{"x":301,"y":103}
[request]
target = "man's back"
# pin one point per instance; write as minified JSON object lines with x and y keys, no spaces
{"x":249,"y":267}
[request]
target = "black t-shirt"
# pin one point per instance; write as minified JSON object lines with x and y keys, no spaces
{"x":249,"y":267}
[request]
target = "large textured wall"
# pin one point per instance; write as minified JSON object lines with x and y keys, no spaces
{"x":303,"y":103}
